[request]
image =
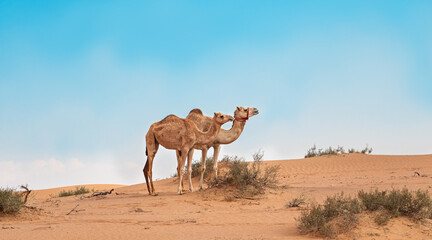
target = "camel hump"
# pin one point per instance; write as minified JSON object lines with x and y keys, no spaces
{"x":197,"y":111}
{"x":168,"y":118}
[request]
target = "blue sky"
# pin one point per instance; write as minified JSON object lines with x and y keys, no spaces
{"x":81,"y":82}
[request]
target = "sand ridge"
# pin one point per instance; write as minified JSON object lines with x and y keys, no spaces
{"x":130,"y":213}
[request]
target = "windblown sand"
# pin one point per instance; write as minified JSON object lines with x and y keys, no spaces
{"x":130,"y":213}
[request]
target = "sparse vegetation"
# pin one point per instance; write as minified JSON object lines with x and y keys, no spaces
{"x":335,"y":216}
{"x":417,"y":204}
{"x":314,"y":152}
{"x":295,"y":202}
{"x":77,"y":191}
{"x":249,"y":178}
{"x":338,"y":213}
{"x":10,"y":201}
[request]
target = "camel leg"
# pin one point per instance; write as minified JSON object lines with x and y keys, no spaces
{"x":145,"y":171}
{"x":181,"y":173}
{"x":203,"y":166}
{"x":151,"y":149}
{"x":216,"y":150}
{"x":178,"y":166}
{"x":150,"y":174}
{"x":190,"y":156}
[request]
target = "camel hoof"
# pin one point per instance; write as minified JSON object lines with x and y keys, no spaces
{"x":155,"y":194}
{"x":180,"y":193}
{"x":191,"y":190}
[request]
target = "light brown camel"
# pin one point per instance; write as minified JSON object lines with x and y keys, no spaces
{"x":241,"y":115}
{"x":179,"y":134}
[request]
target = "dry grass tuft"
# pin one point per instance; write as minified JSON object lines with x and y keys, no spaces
{"x":77,"y":191}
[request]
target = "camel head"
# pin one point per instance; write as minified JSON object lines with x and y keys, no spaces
{"x":222,"y":118}
{"x":244,"y":113}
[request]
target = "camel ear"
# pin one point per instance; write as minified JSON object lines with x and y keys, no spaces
{"x":215,"y":114}
{"x":238,"y":108}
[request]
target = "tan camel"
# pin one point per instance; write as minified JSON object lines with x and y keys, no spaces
{"x":241,"y":115}
{"x":179,"y":134}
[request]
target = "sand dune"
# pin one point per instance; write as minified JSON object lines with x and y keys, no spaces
{"x":53,"y":192}
{"x":129,"y":213}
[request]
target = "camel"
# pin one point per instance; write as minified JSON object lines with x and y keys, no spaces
{"x":179,"y":134}
{"x":241,"y":115}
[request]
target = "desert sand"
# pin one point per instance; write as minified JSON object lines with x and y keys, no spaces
{"x":130,"y":213}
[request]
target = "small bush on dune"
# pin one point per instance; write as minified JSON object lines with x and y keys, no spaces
{"x":417,"y":204}
{"x":77,"y":191}
{"x":335,"y":216}
{"x":382,"y":217}
{"x":296,"y":202}
{"x":338,"y":213}
{"x":314,"y":152}
{"x":250,"y":178}
{"x":10,"y":201}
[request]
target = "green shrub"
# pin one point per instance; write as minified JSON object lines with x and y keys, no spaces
{"x":335,"y":216}
{"x":10,"y":201}
{"x":338,"y":213}
{"x":314,"y":152}
{"x":77,"y":191}
{"x":249,"y":178}
{"x":382,"y":217}
{"x":295,"y":202}
{"x":312,"y":220}
{"x":416,"y":204}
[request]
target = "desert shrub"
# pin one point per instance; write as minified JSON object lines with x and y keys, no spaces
{"x":335,"y":216}
{"x":295,"y":202}
{"x":366,"y":150}
{"x":382,"y":217}
{"x":10,"y":201}
{"x":312,"y":220}
{"x":338,"y":213}
{"x":250,"y":178}
{"x":417,"y":204}
{"x":77,"y":191}
{"x":228,"y":158}
{"x":314,"y":152}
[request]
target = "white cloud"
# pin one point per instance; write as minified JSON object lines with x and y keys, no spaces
{"x":55,"y":173}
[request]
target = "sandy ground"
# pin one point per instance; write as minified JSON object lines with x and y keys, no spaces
{"x":130,"y":213}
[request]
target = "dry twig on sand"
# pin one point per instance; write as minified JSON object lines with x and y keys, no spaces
{"x":73,"y":209}
{"x":27,"y":192}
{"x":95,"y":194}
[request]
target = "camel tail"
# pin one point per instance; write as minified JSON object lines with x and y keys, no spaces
{"x":146,"y":152}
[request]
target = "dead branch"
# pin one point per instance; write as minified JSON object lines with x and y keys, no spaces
{"x":416,"y":174}
{"x":72,"y":209}
{"x":100,"y":193}
{"x":27,"y":192}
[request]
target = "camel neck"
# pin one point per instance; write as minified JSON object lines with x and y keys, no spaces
{"x":229,"y":136}
{"x":208,"y":137}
